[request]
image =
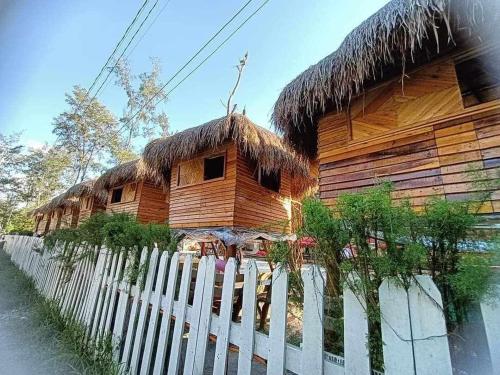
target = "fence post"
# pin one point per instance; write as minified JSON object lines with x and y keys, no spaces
{"x":490,"y":309}
{"x":414,"y":328}
{"x":356,"y":353}
{"x":314,"y":311}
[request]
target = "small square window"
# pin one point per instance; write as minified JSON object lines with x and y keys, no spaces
{"x":213,"y":167}
{"x":271,"y":180}
{"x":116,"y":196}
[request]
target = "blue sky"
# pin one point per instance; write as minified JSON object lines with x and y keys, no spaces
{"x":49,"y":46}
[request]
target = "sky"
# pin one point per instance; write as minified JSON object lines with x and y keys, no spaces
{"x":47,"y":47}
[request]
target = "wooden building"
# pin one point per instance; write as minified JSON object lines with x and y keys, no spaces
{"x":412,"y":96}
{"x":59,"y":213}
{"x":90,"y":200}
{"x":134,"y":189}
{"x":230,"y":173}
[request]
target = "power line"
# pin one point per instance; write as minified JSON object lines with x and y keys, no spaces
{"x":149,"y":27}
{"x":198,"y":52}
{"x":217,"y":48}
{"x":125,"y":50}
{"x":118,"y":45}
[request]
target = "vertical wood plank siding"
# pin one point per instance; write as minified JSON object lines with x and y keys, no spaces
{"x":418,"y":136}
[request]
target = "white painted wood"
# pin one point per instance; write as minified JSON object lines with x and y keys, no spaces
{"x":413,"y":328}
{"x":312,"y":332}
{"x":107,"y":307}
{"x":247,"y":341}
{"x":141,"y":324}
{"x":199,"y":330}
{"x":225,"y":316}
{"x":490,"y":310}
{"x":194,"y":324}
{"x":356,"y":354}
{"x":136,"y":290}
{"x":277,"y":329}
{"x":100,"y":296}
{"x":180,"y":315}
{"x":121,"y":311}
{"x":155,"y":314}
{"x":167,"y":306}
{"x":96,"y":284}
{"x":114,"y":291}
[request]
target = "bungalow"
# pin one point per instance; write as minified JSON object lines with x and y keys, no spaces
{"x":58,"y":213}
{"x":229,"y":173}
{"x":90,"y":200}
{"x":134,"y":189}
{"x":412,"y":96}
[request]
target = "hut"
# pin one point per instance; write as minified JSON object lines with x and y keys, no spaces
{"x":412,"y":95}
{"x":60,"y":212}
{"x":135,"y":189}
{"x":90,"y":200}
{"x":228,"y":172}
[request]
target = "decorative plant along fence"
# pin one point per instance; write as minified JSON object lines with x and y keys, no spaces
{"x":147,"y":321}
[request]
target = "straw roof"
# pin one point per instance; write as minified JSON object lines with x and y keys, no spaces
{"x":254,"y":141}
{"x":134,"y":170}
{"x":86,"y":188}
{"x":400,"y":33}
{"x":57,"y":202}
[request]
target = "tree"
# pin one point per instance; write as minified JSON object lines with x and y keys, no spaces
{"x":142,"y":100}
{"x":85,"y":132}
{"x":11,"y":159}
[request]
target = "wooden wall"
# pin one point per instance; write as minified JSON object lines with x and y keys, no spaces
{"x":55,"y":219}
{"x":143,"y":200}
{"x":88,"y":207}
{"x":207,"y":203}
{"x":422,"y":139}
{"x":69,"y":217}
{"x":258,"y":207}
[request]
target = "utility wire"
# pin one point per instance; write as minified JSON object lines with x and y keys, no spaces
{"x":118,"y":45}
{"x":125,"y":50}
{"x":147,"y":30}
{"x":198,"y":52}
{"x":217,"y":48}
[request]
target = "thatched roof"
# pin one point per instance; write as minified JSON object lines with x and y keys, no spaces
{"x":86,"y":188}
{"x":57,"y":202}
{"x":400,"y":33}
{"x":134,"y":170}
{"x":256,"y":142}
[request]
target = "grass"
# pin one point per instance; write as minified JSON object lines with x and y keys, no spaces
{"x":89,"y":357}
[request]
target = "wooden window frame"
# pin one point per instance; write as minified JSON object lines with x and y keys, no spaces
{"x":224,"y":153}
{"x":121,"y":195}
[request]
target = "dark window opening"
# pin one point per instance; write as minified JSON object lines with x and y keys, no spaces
{"x":271,"y":181}
{"x":213,"y":167}
{"x":479,"y":78}
{"x":116,"y":197}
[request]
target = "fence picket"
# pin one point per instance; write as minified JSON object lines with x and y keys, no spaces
{"x":155,"y":312}
{"x":167,"y":305}
{"x":277,"y":328}
{"x":180,"y":315}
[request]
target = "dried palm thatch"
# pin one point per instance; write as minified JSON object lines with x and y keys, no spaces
{"x":255,"y":142}
{"x":57,"y":202}
{"x":84,"y":189}
{"x":395,"y":35}
{"x":134,"y":170}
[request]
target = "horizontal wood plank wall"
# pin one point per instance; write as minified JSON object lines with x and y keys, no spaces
{"x":432,"y":157}
{"x":69,"y":217}
{"x":206,"y":204}
{"x":258,"y":207}
{"x":131,"y":207}
{"x":153,"y":204}
{"x":86,"y":212}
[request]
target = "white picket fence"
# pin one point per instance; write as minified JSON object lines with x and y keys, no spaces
{"x":96,"y":293}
